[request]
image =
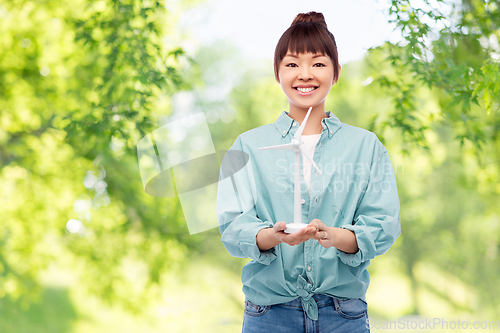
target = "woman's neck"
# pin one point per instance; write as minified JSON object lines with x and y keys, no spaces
{"x":313,"y":125}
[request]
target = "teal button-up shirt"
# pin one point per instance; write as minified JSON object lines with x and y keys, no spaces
{"x":357,"y":191}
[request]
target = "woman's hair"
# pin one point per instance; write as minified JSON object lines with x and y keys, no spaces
{"x":308,"y":33}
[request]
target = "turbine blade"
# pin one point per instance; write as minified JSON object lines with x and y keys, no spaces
{"x":305,"y":152}
{"x":298,"y":134}
{"x":286,"y":146}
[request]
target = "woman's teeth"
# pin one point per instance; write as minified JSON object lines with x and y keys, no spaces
{"x":305,"y":90}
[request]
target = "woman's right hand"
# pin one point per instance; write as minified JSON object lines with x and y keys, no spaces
{"x":295,"y":238}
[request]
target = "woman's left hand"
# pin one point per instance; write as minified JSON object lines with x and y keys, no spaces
{"x":324,"y":234}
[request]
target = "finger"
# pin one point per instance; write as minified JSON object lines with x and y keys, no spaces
{"x":279,"y":235}
{"x":280,"y":226}
{"x":314,"y":223}
{"x":324,"y":242}
{"x":316,"y":220}
{"x":321,"y":226}
{"x":307,"y":236}
{"x":309,"y":231}
{"x":312,"y":231}
{"x":285,"y":236}
{"x":311,"y":228}
{"x":319,"y":235}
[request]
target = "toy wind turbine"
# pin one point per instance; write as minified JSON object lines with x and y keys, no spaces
{"x":297,"y":145}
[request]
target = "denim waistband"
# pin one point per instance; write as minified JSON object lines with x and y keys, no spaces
{"x":321,"y":300}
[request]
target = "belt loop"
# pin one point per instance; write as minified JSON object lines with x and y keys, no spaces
{"x":336,"y":303}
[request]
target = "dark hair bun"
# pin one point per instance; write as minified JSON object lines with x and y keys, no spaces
{"x":311,"y":17}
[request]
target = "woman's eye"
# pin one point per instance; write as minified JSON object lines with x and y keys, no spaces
{"x":319,"y":65}
{"x":291,"y":65}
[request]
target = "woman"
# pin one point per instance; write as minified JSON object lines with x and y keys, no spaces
{"x":314,"y":280}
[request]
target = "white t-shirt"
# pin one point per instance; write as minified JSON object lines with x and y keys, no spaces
{"x":310,"y":142}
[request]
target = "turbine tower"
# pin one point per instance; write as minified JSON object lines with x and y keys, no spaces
{"x":297,"y":145}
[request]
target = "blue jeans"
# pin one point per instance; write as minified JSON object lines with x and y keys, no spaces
{"x":334,"y":316}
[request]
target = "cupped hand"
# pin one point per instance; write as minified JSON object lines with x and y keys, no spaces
{"x":295,"y":238}
{"x":323,"y":234}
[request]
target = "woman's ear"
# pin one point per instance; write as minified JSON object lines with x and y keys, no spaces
{"x":335,"y":81}
{"x":277,"y":77}
{"x":277,"y":74}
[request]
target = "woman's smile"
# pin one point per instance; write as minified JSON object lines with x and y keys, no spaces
{"x":305,"y":90}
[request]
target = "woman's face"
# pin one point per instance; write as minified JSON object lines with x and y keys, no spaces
{"x":306,"y":79}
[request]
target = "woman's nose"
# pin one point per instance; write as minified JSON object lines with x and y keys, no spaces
{"x":305,"y":74}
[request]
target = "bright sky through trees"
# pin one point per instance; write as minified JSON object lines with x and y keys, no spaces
{"x":357,"y":25}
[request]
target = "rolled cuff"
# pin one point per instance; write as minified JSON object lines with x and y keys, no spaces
{"x":249,"y":246}
{"x":351,"y":259}
{"x":247,"y":239}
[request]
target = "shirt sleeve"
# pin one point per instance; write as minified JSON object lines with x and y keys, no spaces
{"x":236,"y":213}
{"x":376,"y":221}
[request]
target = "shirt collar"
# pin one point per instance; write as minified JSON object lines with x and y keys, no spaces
{"x":284,"y":124}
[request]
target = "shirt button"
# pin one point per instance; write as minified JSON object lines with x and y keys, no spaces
{"x":330,"y":132}
{"x":316,"y":199}
{"x":320,"y":144}
{"x":284,"y":132}
{"x":294,"y":123}
{"x":308,"y":268}
{"x":303,"y":201}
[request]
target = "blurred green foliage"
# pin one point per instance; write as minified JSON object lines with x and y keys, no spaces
{"x":80,"y":84}
{"x":452,"y":47}
{"x":449,"y":49}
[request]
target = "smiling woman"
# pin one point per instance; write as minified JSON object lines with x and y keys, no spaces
{"x":308,"y":33}
{"x":306,"y":65}
{"x":306,"y":79}
{"x":315,"y":279}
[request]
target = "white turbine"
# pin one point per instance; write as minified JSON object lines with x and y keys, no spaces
{"x":297,"y":145}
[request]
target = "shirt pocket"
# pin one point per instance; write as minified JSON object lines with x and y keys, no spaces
{"x":344,"y":194}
